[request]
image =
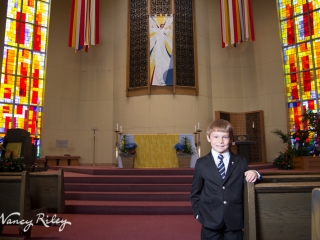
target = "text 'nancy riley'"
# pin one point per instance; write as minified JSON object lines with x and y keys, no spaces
{"x":47,"y":222}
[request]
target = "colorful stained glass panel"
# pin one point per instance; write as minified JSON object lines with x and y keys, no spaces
{"x":24,"y":63}
{"x":42,"y":14}
{"x":40,"y":36}
{"x":316,"y":24}
{"x":38,"y":65}
{"x":305,"y":56}
{"x":316,"y":52}
{"x":11,"y":33}
{"x":9,"y":60}
{"x":22,"y":90}
{"x":302,"y":28}
{"x":287,"y":32}
{"x":295,"y":118}
{"x":307,"y":85}
{"x":285,"y":9}
{"x":293,"y":89}
{"x":20,"y":116}
{"x":28,"y":9}
{"x":13,"y":8}
{"x":290,"y":59}
{"x":26,"y":33}
{"x":299,"y":6}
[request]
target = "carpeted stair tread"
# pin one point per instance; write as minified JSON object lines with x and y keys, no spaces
{"x":130,"y":179}
{"x":123,"y":193}
{"x":128,"y":203}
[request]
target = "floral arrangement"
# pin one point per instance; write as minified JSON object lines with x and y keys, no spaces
{"x":127,"y":148}
{"x":184,"y":147}
{"x":10,"y":164}
{"x":303,"y":142}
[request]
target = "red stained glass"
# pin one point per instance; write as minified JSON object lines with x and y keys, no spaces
{"x":19,"y":109}
{"x":37,"y":39}
{"x":288,"y":11}
{"x":7,"y":93}
{"x":34,"y":97}
{"x":23,"y":87}
{"x":5,"y":109}
{"x":35,"y":83}
{"x":311,"y":105}
{"x":295,"y":94}
{"x":36,"y":73}
{"x":305,"y":62}
{"x":290,"y":31}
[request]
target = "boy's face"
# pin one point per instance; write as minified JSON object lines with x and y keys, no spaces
{"x":220,"y":141}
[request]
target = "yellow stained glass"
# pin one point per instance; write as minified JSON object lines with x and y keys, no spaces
{"x":28,"y":9}
{"x":316,"y":52}
{"x":24,"y":63}
{"x":42,"y":14}
{"x":316,"y":4}
{"x":11,"y":33}
{"x":316,"y":24}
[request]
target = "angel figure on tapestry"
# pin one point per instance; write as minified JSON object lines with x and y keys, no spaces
{"x":161,"y":59}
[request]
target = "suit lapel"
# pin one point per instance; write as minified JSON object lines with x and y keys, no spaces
{"x":232,"y":165}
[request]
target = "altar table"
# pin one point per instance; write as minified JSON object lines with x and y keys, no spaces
{"x":157,"y":150}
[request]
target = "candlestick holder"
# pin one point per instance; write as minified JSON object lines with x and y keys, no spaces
{"x":198,"y":142}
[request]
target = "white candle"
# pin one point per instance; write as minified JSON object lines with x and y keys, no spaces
{"x":120,"y":128}
{"x":195,"y":127}
{"x":198,"y":125}
{"x":37,"y":116}
{"x":252,"y":124}
{"x":117,"y":126}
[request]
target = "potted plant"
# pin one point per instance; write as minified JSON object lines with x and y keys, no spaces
{"x":127,"y":152}
{"x":184,"y":151}
{"x":302,"y":145}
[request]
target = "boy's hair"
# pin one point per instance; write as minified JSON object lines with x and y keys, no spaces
{"x":220,"y":125}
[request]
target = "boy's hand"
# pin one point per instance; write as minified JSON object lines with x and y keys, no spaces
{"x":251,"y":176}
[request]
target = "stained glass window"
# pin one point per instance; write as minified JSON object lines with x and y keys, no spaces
{"x":300,"y":34}
{"x":23,"y":66}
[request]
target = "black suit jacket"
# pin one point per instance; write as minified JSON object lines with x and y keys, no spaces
{"x":215,"y":201}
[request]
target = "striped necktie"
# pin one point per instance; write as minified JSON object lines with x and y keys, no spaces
{"x":221,"y":167}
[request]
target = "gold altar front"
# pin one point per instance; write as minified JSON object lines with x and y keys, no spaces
{"x":156,"y":150}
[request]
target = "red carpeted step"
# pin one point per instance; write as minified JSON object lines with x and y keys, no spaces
{"x":86,"y":187}
{"x":128,"y":196}
{"x":128,"y":207}
{"x":124,"y":179}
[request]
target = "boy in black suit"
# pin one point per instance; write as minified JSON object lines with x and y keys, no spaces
{"x":217,"y":187}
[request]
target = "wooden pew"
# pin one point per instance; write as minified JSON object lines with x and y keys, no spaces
{"x":280,"y":211}
{"x":315,"y":226}
{"x":46,"y":190}
{"x":15,"y":197}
